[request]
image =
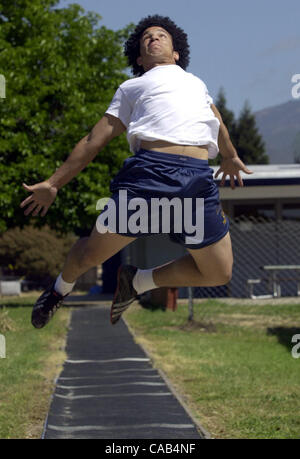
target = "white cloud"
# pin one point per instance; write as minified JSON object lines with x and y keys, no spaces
{"x":286,"y":44}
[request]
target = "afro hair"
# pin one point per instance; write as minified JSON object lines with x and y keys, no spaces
{"x":180,"y":41}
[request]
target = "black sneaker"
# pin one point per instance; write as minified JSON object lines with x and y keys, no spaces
{"x":46,"y":306}
{"x":124,"y":294}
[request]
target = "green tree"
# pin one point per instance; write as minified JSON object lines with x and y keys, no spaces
{"x":228,"y":119}
{"x":61,"y":70}
{"x":227,"y":115}
{"x":249,"y":143}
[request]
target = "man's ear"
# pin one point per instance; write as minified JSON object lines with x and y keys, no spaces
{"x":139,"y":60}
{"x":176,"y":55}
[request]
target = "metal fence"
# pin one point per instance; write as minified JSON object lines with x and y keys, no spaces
{"x":256,"y":243}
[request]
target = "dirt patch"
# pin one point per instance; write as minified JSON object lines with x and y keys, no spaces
{"x":202,"y":326}
{"x":6,"y":323}
{"x":253,"y":321}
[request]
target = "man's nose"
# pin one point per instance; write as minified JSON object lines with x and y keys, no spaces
{"x":153,"y":37}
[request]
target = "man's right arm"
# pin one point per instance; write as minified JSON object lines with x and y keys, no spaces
{"x":86,"y":150}
{"x":44,"y":193}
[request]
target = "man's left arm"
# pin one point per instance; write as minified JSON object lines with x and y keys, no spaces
{"x":231,"y":164}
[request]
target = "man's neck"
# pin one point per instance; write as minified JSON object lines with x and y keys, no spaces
{"x":152,"y":66}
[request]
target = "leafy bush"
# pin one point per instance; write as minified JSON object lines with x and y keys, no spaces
{"x":36,"y":254}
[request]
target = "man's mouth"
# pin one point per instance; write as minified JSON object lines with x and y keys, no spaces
{"x":154,"y":43}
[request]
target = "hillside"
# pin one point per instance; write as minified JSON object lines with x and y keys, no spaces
{"x":279,"y":126}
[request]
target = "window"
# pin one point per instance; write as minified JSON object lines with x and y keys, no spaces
{"x":266,"y":211}
{"x":291,"y":211}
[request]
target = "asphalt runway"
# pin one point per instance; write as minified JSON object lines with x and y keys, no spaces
{"x":109,"y":389}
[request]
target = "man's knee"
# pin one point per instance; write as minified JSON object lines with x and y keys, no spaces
{"x":218,"y":275}
{"x":223,"y":272}
{"x":226,"y":274}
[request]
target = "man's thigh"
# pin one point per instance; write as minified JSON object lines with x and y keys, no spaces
{"x":102,"y":246}
{"x":215,"y":259}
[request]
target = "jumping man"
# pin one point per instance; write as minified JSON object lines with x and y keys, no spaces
{"x":173,"y":128}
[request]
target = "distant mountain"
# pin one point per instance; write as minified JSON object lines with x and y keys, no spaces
{"x":279,"y":127}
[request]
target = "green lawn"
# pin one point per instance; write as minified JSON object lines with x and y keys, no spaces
{"x":233,"y":365}
{"x":33,"y":360}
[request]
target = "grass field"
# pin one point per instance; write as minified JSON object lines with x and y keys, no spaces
{"x":233,"y":365}
{"x":33,"y":360}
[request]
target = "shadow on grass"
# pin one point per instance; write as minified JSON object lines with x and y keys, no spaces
{"x":17,"y":304}
{"x":146,"y":304}
{"x":284,"y":335}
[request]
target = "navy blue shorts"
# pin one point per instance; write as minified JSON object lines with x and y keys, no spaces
{"x":157,"y":192}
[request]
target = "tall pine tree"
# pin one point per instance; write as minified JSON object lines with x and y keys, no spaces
{"x":227,"y":115}
{"x":243,"y":133}
{"x":249,"y":143}
{"x":228,"y":119}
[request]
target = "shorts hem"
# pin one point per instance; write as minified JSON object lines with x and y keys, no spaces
{"x":201,"y":245}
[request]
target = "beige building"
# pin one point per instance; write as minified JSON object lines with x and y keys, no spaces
{"x":272,"y":191}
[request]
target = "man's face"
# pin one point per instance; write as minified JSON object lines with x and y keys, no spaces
{"x":156,"y":48}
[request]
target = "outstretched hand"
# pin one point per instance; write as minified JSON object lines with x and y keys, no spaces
{"x":43,"y":195}
{"x":232,"y":167}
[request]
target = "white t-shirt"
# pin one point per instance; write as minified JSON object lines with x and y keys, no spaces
{"x":167,"y":103}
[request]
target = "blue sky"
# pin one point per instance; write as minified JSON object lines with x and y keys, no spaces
{"x":251,"y":48}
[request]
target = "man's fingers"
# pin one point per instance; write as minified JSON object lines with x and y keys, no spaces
{"x":246,"y":170}
{"x":45,"y":211}
{"x":30,"y":208}
{"x":30,"y":198}
{"x":218,"y":172}
{"x":241,"y":183}
{"x":27,"y":187}
{"x":223,"y":180}
{"x":40,"y":199}
{"x":26,"y":201}
{"x":37,"y":210}
{"x":232,"y":182}
{"x":232,"y":176}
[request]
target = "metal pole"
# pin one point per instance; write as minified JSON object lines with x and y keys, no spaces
{"x":191,"y":308}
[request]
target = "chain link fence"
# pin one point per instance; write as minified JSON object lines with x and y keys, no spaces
{"x":258,"y":243}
